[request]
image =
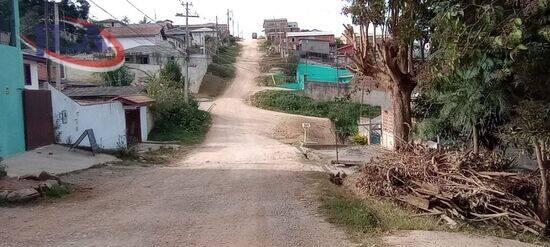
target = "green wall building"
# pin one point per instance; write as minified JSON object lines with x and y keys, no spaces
{"x":12,"y":128}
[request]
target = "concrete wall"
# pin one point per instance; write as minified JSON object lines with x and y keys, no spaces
{"x":147,"y":122}
{"x":198,"y":65}
{"x":71,"y":119}
{"x":315,"y":46}
{"x":128,"y":43}
{"x":82,"y":76}
{"x":12,"y":133}
{"x":328,"y":91}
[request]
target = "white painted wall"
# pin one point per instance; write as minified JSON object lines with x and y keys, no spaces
{"x":34,"y":75}
{"x":128,"y":43}
{"x":107,"y":120}
{"x":147,"y":122}
{"x":199,"y":38}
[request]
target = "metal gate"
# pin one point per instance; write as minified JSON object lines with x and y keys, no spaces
{"x":38,"y":114}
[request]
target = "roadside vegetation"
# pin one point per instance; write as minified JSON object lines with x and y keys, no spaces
{"x":222,"y":69}
{"x":175,"y":119}
{"x":343,"y":113}
{"x":274,"y":68}
{"x":368,"y":219}
{"x":118,"y":78}
{"x":484,"y":82}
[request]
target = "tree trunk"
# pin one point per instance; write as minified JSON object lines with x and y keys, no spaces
{"x":543,"y":196}
{"x":401,"y":102}
{"x":475,"y":139}
{"x":422,"y":52}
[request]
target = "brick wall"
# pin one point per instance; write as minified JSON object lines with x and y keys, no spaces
{"x":388,"y":130}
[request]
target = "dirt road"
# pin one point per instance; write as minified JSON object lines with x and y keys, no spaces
{"x":239,"y":188}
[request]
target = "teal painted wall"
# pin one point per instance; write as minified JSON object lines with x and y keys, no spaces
{"x":12,"y":127}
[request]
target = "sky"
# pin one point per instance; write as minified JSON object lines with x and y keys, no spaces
{"x":324,"y":15}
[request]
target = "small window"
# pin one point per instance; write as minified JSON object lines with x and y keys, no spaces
{"x":143,"y":59}
{"x":27,"y":71}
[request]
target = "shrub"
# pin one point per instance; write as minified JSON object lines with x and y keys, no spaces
{"x":221,"y":70}
{"x":343,"y":113}
{"x":360,"y":140}
{"x":176,"y":120}
{"x":118,"y":78}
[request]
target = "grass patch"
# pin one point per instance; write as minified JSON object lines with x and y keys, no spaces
{"x":344,"y":114}
{"x":220,"y":71}
{"x":368,"y":219}
{"x":57,"y":191}
{"x":268,"y":80}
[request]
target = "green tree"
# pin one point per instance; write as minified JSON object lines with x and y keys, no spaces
{"x":394,"y":65}
{"x":125,"y":20}
{"x":171,"y":74}
{"x":119,"y":77}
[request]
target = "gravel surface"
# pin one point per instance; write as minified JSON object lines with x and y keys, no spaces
{"x":239,"y":188}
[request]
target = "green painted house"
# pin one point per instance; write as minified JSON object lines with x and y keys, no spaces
{"x":12,"y":129}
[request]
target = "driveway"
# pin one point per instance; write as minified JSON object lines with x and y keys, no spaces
{"x":239,"y":188}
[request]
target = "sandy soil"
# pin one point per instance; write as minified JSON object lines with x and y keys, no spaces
{"x":240,"y":188}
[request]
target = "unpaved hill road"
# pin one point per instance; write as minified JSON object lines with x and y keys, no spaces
{"x":240,"y":188}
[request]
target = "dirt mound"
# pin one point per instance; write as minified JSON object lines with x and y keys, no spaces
{"x":289,"y":130}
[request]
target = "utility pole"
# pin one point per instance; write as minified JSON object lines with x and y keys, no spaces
{"x":187,"y":56}
{"x":228,"y":22}
{"x":217,"y":36}
{"x":57,"y":46}
{"x":47,"y":38}
{"x":233,"y":21}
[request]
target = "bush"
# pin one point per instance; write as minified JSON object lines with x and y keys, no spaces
{"x":360,"y":140}
{"x":343,"y":113}
{"x":3,"y":172}
{"x":223,"y":63}
{"x":221,"y":70}
{"x":176,"y":120}
{"x":118,"y":78}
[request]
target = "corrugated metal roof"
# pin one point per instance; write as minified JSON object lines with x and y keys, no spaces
{"x":136,"y":30}
{"x":307,"y":34}
{"x":136,"y":99}
{"x":102,"y":91}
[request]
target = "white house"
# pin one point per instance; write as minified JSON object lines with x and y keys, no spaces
{"x":201,"y":35}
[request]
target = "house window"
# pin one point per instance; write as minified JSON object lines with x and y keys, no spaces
{"x":27,"y":71}
{"x":142,"y":59}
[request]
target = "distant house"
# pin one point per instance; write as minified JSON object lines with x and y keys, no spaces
{"x":344,"y":55}
{"x":109,"y":23}
{"x":316,"y":48}
{"x":275,"y":29}
{"x":293,"y":39}
{"x":134,"y":35}
{"x":293,"y":27}
{"x":201,"y":35}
